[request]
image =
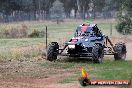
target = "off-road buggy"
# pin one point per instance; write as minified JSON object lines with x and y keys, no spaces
{"x":88,"y":42}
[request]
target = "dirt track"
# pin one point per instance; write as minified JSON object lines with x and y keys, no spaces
{"x":51,"y":82}
{"x":46,"y":81}
{"x":14,"y":70}
{"x":31,"y":75}
{"x":129,"y":51}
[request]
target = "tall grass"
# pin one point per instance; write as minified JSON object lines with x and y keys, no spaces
{"x":20,"y":48}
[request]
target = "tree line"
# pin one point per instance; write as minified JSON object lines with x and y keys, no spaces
{"x":19,"y":10}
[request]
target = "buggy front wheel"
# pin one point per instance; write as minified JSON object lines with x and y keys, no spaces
{"x":52,"y":51}
{"x":98,"y":54}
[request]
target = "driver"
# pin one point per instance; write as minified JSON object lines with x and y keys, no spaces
{"x":97,"y":31}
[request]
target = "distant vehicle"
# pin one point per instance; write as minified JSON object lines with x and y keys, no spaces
{"x":88,"y":42}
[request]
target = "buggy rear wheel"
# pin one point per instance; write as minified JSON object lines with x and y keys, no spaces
{"x":120,"y":51}
{"x":98,"y":54}
{"x":52,"y":51}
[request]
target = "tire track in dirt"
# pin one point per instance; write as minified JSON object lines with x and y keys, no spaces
{"x":49,"y":82}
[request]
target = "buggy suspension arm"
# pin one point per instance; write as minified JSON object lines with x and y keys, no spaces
{"x":63,"y":49}
{"x":107,"y":39}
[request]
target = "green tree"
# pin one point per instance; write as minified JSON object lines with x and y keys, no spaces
{"x":124,"y":17}
{"x":57,"y":11}
{"x":68,"y":6}
{"x":7,"y":7}
{"x":97,"y":6}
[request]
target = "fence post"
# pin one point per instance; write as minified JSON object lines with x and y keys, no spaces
{"x":46,"y":37}
{"x":46,"y":41}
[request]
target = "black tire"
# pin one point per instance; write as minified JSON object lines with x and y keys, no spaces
{"x":120,"y":51}
{"x":98,"y":54}
{"x":52,"y":51}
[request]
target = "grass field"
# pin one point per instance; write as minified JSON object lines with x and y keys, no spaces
{"x":20,"y":48}
{"x":64,"y":30}
{"x":31,"y":47}
{"x":14,"y":43}
{"x":68,"y":25}
{"x":110,"y":69}
{"x":56,"y":32}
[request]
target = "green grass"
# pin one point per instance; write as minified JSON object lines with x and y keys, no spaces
{"x":12,"y":48}
{"x":56,"y":32}
{"x":110,"y":69}
{"x":12,"y":43}
{"x":64,"y":26}
{"x":61,"y":32}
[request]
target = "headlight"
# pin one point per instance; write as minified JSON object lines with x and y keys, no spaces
{"x":86,"y":40}
{"x":71,"y":46}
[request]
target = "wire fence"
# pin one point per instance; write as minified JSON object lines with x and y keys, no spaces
{"x":62,"y":36}
{"x":23,"y":46}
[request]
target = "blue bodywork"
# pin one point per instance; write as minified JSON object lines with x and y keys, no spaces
{"x":85,"y":37}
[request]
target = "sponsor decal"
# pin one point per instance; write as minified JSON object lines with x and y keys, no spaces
{"x":85,"y":81}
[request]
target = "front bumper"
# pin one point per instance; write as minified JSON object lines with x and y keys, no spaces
{"x":77,"y":55}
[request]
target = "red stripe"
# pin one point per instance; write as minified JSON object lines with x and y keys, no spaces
{"x":84,"y":28}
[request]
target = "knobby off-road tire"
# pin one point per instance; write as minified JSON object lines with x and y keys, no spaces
{"x":98,"y":54}
{"x":120,"y":51}
{"x":52,"y":51}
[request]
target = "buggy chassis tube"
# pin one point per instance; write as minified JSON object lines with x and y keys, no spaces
{"x":107,"y":39}
{"x":74,"y":55}
{"x":63,"y":49}
{"x":112,"y":46}
{"x":83,"y":55}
